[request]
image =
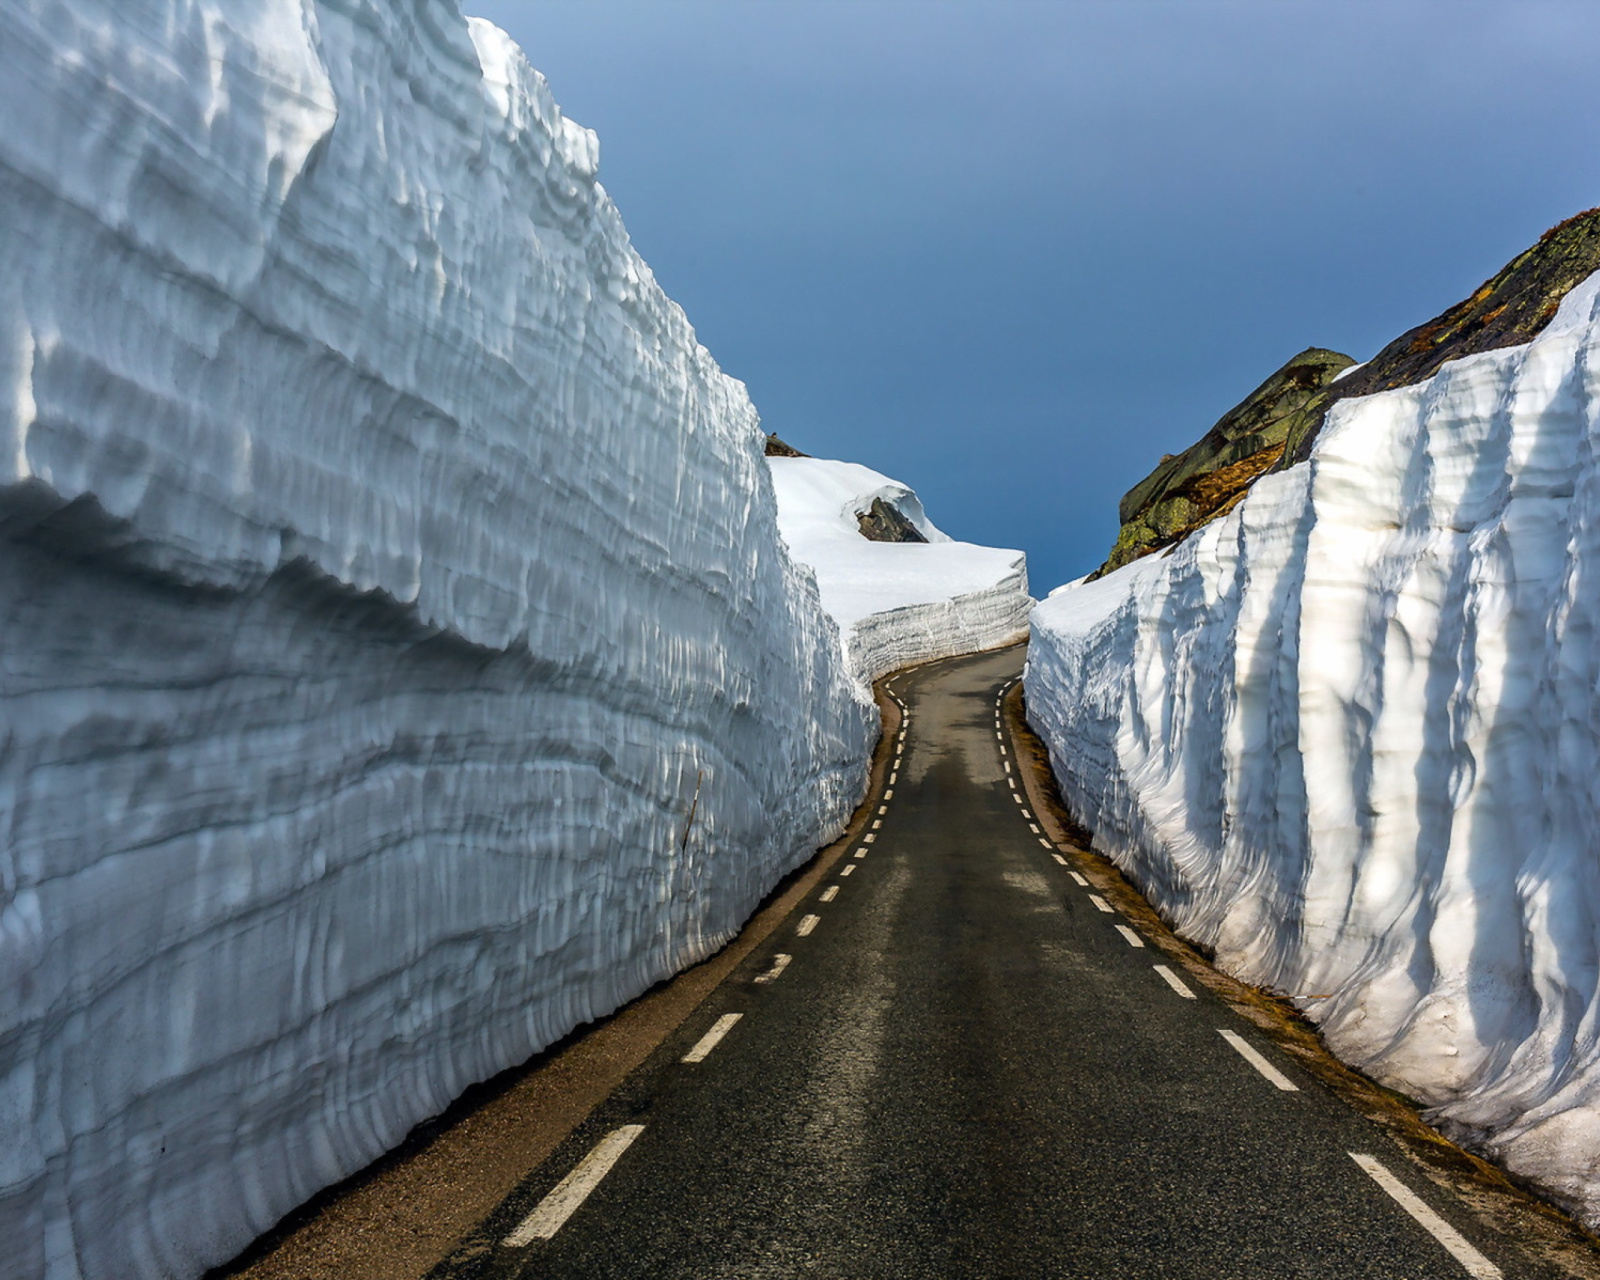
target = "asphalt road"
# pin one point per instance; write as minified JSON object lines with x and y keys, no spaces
{"x":967,"y":1068}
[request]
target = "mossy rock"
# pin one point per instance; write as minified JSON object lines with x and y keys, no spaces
{"x":1188,"y":489}
{"x":1278,"y":423}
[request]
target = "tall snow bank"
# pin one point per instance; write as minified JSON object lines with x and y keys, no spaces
{"x":384,"y":568}
{"x":1349,"y":736}
{"x":895,"y":603}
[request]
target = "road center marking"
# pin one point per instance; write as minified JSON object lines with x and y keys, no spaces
{"x":553,"y":1211}
{"x":1100,"y":904}
{"x":1175,"y":982}
{"x":706,"y":1043}
{"x":1134,"y":940}
{"x":1475,"y":1263}
{"x":830,"y":893}
{"x":780,"y":962}
{"x":806,"y":925}
{"x":1248,"y":1052}
{"x":1076,"y":878}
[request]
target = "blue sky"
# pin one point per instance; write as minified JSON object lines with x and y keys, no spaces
{"x":1012,"y":252}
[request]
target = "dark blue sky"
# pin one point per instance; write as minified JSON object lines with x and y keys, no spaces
{"x":1012,"y":252}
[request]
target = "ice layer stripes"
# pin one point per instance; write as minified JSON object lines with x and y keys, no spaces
{"x":896,"y":603}
{"x":1349,"y":736}
{"x":384,"y":567}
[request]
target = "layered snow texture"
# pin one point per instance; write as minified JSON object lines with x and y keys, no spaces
{"x":385,"y":571}
{"x":1349,"y":736}
{"x":895,"y":603}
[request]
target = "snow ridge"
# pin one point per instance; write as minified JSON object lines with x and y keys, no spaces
{"x":385,"y":568}
{"x":895,"y":603}
{"x":1349,"y":737}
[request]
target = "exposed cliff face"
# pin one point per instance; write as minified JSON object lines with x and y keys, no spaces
{"x":1277,"y":425}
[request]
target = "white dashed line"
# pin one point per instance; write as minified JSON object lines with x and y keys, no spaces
{"x":551,"y":1212}
{"x":1034,"y":827}
{"x":1134,"y":940}
{"x":1058,"y":857}
{"x":712,"y":1038}
{"x":883,"y":808}
{"x":887,"y":795}
{"x":806,"y":925}
{"x":893,"y":778}
{"x":1076,"y":878}
{"x":1249,"y":1054}
{"x":1045,"y":843}
{"x":1015,"y":796}
{"x":869,"y":838}
{"x":1174,"y":981}
{"x":780,"y":962}
{"x":1475,"y":1263}
{"x":876,"y":823}
{"x":1100,"y":904}
{"x":830,"y":893}
{"x":1008,"y":766}
{"x":861,"y":853}
{"x":847,"y":868}
{"x":1026,"y":814}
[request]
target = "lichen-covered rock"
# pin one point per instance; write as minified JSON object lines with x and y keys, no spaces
{"x":1277,"y":424}
{"x":1508,"y":309}
{"x":1190,"y":488}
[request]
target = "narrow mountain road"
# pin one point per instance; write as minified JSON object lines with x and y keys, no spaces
{"x":956,"y":1059}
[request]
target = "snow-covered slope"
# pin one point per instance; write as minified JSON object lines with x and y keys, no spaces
{"x":895,"y":603}
{"x":1349,"y":736}
{"x":384,"y":565}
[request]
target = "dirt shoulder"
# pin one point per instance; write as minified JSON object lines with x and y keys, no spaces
{"x":1506,"y":1207}
{"x":400,"y":1216}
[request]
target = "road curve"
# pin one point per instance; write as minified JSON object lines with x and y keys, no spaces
{"x":957,"y":1059}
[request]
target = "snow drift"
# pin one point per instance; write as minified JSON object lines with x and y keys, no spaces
{"x":384,"y":566}
{"x":895,"y":603}
{"x":1349,"y":736}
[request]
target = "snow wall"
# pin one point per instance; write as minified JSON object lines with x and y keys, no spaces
{"x":1349,"y":737}
{"x":382,"y":563}
{"x":895,"y":603}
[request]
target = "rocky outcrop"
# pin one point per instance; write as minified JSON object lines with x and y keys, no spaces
{"x":1276,"y":426}
{"x":885,"y":522}
{"x":777,"y":448}
{"x":1193,"y":487}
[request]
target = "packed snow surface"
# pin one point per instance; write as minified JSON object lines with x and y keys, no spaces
{"x":384,"y":572}
{"x":895,"y":603}
{"x":1349,"y":736}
